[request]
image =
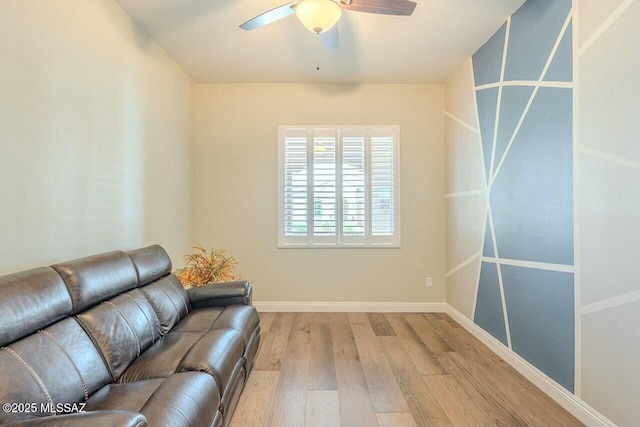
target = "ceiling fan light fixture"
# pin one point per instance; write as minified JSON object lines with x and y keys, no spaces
{"x":318,"y":16}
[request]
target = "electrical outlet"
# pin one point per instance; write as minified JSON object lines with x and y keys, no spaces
{"x":429,"y":282}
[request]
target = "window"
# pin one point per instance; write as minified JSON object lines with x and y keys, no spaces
{"x":339,"y":187}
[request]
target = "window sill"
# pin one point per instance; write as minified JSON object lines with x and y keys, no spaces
{"x":350,"y":246}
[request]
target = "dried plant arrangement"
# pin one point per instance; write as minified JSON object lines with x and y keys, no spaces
{"x":204,"y":268}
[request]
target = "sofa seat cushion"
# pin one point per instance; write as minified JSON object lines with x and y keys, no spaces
{"x":162,"y":358}
{"x":214,"y":352}
{"x":242,"y":318}
{"x":200,"y":320}
{"x":189,"y":399}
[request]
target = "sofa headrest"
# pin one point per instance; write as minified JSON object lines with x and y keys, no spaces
{"x":31,"y":300}
{"x":97,"y":278}
{"x":151,"y":263}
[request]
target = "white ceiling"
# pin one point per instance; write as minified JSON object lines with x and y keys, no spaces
{"x":427,"y":47}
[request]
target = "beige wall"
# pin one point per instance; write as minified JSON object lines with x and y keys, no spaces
{"x":236,"y":189}
{"x":96,"y":129}
{"x":465,"y":173}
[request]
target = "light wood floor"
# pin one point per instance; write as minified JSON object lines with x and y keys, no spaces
{"x":386,"y":370}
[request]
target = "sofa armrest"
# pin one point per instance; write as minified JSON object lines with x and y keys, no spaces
{"x":92,"y":418}
{"x":220,"y":294}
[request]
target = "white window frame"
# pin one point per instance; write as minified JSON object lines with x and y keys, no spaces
{"x":339,"y":241}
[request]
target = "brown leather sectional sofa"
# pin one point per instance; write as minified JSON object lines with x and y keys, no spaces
{"x":114,"y":340}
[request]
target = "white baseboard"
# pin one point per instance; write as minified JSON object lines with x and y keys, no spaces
{"x":376,"y":307}
{"x":577,"y":407}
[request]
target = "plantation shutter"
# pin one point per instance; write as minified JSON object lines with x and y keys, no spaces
{"x":338,"y":187}
{"x":382,"y":184}
{"x":354,"y":172}
{"x":295,"y":183}
{"x":325,"y":220}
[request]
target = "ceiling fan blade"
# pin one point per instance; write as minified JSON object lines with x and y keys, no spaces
{"x":330,"y":39}
{"x":271,"y":16}
{"x":383,"y":7}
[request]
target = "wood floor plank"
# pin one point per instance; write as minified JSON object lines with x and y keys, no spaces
{"x":498,"y":412}
{"x":563,"y":417}
{"x":339,"y":318}
{"x":356,"y":409}
{"x":455,"y":336}
{"x":325,"y":369}
{"x":266,"y":319}
{"x":460,"y":409}
{"x":434,"y":316}
{"x":288,"y":408}
{"x":520,"y":388}
{"x":380,"y":325}
{"x":528,"y":407}
{"x":426,"y":410}
{"x":402,"y":419}
{"x":321,"y":373}
{"x":385,"y":393}
{"x":426,"y":332}
{"x":451,"y":322}
{"x":323,"y":409}
{"x":300,"y":328}
{"x":274,"y":344}
{"x":417,"y":350}
{"x":254,"y":405}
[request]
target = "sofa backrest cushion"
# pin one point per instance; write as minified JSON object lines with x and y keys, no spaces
{"x":168,"y":299}
{"x":122,"y":328}
{"x":97,"y":278}
{"x":151,"y":263}
{"x":31,"y":300}
{"x":59,"y":364}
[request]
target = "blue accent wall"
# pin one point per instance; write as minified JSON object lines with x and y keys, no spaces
{"x":487,"y":105}
{"x":529,"y":168}
{"x":534,"y":30}
{"x":489,"y":311}
{"x":532,"y":195}
{"x":487,"y":61}
{"x":540,"y":310}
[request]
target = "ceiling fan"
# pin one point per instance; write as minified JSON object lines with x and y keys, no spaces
{"x":320,"y":16}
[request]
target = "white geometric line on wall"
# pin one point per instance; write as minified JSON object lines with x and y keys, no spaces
{"x":513,"y":137}
{"x":465,"y":193}
{"x":463,"y":264}
{"x":531,"y":264}
{"x":530,"y":83}
{"x":612,"y":302}
{"x":556,"y":45}
{"x":484,"y":232}
{"x":486,"y":184}
{"x":610,"y":157}
{"x":475,"y":107}
{"x":499,"y":103}
{"x":605,"y":25}
{"x":552,"y":54}
{"x":500,"y":282}
{"x":462,"y":122}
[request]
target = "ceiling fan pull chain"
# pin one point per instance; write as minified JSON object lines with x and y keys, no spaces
{"x":317,"y":51}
